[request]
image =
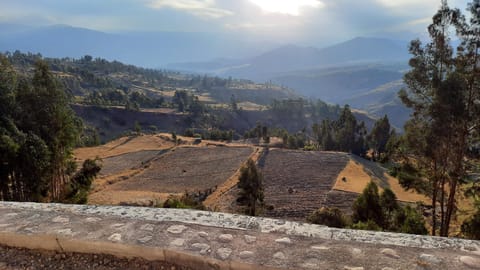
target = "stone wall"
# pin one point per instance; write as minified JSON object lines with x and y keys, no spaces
{"x":209,"y":240}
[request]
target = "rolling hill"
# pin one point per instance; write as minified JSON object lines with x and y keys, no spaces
{"x":353,"y":72}
{"x":147,"y":49}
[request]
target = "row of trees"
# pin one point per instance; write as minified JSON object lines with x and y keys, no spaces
{"x":344,"y":134}
{"x":115,"y":97}
{"x":38,"y":131}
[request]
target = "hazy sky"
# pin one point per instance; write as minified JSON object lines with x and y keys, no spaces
{"x":301,"y":21}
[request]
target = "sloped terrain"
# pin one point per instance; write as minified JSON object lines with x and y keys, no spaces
{"x":134,"y":160}
{"x":359,"y":172}
{"x":296,"y":182}
{"x":342,"y":200}
{"x":125,"y":145}
{"x":131,"y":167}
{"x":187,"y":169}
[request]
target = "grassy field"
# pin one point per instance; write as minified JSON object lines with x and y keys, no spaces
{"x":359,"y":172}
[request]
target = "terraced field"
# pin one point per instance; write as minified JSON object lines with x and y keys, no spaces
{"x":187,"y":169}
{"x":134,"y":160}
{"x":342,"y":200}
{"x":297,"y":182}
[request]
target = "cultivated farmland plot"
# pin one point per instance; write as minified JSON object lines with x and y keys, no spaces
{"x":187,"y":169}
{"x":134,"y":160}
{"x":296,"y":182}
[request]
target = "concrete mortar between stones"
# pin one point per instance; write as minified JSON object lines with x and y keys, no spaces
{"x":209,"y":240}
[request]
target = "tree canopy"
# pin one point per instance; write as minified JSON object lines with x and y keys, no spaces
{"x":443,"y":91}
{"x":38,"y":131}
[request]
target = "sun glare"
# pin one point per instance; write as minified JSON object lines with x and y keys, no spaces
{"x":290,"y":7}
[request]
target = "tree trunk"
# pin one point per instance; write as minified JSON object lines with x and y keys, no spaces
{"x":442,"y":209}
{"x":434,"y":207}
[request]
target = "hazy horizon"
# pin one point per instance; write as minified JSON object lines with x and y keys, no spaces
{"x":303,"y":22}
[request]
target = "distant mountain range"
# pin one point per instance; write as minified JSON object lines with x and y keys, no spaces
{"x":363,"y":72}
{"x":147,"y":49}
{"x":291,"y":58}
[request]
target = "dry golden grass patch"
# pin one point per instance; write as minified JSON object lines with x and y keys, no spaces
{"x":116,"y":197}
{"x":206,"y":98}
{"x":358,"y":173}
{"x":250,"y":106}
{"x":125,"y":145}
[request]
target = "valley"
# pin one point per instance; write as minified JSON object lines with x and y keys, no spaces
{"x":249,"y":134}
{"x":146,"y":170}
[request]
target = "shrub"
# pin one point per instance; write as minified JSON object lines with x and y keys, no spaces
{"x":471,"y":226}
{"x":186,"y":201}
{"x":369,"y":225}
{"x":77,"y":190}
{"x":331,"y":217}
{"x":413,"y":222}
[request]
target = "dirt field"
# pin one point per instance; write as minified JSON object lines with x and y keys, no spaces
{"x":135,"y":171}
{"x":223,"y":199}
{"x":297,"y":182}
{"x":187,"y":169}
{"x":147,"y":169}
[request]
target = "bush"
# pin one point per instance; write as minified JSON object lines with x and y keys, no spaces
{"x":331,"y":217}
{"x":471,"y":226}
{"x":369,"y":225}
{"x":413,"y":222}
{"x":175,"y":203}
{"x":187,"y":201}
{"x":77,"y":190}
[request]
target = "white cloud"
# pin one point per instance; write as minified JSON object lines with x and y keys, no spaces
{"x":408,"y":3}
{"x":289,"y":7}
{"x":200,"y":8}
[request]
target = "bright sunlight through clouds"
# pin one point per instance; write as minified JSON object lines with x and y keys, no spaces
{"x":289,"y":7}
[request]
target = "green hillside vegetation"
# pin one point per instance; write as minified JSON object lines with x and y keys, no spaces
{"x":114,"y":98}
{"x":96,"y":81}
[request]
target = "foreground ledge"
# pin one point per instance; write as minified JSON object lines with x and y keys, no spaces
{"x":209,"y":240}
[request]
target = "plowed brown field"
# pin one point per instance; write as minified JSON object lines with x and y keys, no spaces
{"x":187,"y":169}
{"x":296,"y":182}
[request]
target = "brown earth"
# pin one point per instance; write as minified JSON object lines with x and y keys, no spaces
{"x":147,"y":169}
{"x":296,"y":183}
{"x":20,"y":258}
{"x":127,"y":157}
{"x":187,"y":169}
{"x":223,"y":199}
